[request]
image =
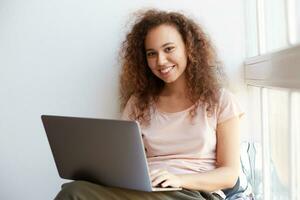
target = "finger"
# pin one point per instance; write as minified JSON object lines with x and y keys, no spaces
{"x":166,"y":183}
{"x":159,"y":180}
{"x":158,"y":174}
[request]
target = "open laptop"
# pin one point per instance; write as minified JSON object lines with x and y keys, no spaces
{"x":104,"y":151}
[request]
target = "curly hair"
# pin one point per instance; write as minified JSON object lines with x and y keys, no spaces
{"x":203,"y":73}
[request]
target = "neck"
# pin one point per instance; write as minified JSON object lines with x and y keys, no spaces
{"x":177,"y":88}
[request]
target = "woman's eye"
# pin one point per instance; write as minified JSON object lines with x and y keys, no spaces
{"x":169,"y":49}
{"x":150,"y":54}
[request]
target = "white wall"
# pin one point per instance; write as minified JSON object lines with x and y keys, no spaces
{"x":60,"y":57}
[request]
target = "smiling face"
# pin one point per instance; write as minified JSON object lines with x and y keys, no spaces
{"x":166,"y":53}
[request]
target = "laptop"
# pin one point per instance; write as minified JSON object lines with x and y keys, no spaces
{"x":104,"y":151}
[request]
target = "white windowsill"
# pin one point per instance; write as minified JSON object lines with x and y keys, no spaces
{"x":278,"y":69}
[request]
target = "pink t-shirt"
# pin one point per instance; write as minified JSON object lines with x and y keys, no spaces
{"x":174,"y":143}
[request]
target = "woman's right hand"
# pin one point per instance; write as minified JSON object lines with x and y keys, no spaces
{"x":163,"y":178}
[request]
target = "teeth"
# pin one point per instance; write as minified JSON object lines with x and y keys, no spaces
{"x":166,"y":70}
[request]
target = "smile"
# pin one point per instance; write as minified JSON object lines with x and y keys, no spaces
{"x":166,"y":70}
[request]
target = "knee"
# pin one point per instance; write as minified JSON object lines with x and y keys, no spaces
{"x":73,"y":190}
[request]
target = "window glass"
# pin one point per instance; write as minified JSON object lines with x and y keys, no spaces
{"x":251,"y":29}
{"x":295,"y":130}
{"x":275,"y":25}
{"x":279,"y":164}
{"x":297,"y":23}
{"x":294,"y":21}
{"x":255,"y":172}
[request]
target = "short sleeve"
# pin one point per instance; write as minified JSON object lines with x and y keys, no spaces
{"x":228,"y":107}
{"x":128,"y":110}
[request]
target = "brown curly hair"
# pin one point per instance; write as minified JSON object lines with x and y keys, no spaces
{"x":203,"y":73}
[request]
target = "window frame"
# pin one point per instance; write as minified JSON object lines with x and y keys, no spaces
{"x":279,"y":69}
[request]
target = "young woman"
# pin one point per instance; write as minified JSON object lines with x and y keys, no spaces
{"x":170,"y":83}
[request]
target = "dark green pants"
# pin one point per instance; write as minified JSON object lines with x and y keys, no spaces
{"x":83,"y":190}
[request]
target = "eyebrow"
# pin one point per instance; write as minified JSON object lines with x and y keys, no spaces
{"x":166,"y":44}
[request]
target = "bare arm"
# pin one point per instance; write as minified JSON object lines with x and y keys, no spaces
{"x":228,"y":164}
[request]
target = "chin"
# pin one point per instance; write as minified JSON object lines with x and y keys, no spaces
{"x":170,"y":80}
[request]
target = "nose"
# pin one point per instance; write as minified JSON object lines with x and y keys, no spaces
{"x":161,"y":59}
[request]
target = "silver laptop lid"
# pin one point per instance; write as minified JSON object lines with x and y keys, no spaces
{"x":104,"y":151}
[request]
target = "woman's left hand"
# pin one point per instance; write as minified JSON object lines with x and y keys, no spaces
{"x":164,"y":179}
